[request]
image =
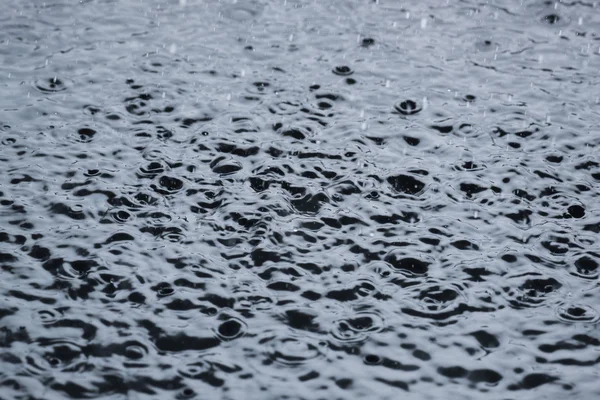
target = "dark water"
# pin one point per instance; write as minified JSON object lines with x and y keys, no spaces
{"x":299,"y":199}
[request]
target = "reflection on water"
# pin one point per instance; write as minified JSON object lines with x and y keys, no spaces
{"x":299,"y":199}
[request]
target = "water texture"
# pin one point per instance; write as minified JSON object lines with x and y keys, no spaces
{"x":299,"y":199}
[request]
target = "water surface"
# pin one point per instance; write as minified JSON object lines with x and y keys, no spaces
{"x":299,"y":199}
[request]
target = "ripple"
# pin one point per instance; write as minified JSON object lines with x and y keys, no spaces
{"x":531,"y":290}
{"x":408,"y":107}
{"x":54,"y":354}
{"x":242,"y":12}
{"x":51,"y":85}
{"x":168,"y":185}
{"x":576,"y":211}
{"x":151,"y":170}
{"x":586,"y":267}
{"x":48,"y":315}
{"x":343,"y":70}
{"x":292,"y":351}
{"x":551,"y":19}
{"x":195,"y":370}
{"x":437,"y":301}
{"x":121,"y":216}
{"x":573,"y":313}
{"x":135,"y":351}
{"x":357,"y":328}
{"x":231,"y":329}
{"x":86,"y":135}
{"x":408,"y":265}
{"x":225,"y":166}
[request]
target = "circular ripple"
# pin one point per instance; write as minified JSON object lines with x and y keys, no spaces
{"x":195,"y":370}
{"x":551,"y":19}
{"x":85,"y":135}
{"x":292,"y":351}
{"x":173,"y":235}
{"x":135,"y":351}
{"x":343,"y":70}
{"x":407,"y":265}
{"x":168,"y":185}
{"x":55,"y":354}
{"x":243,"y":11}
{"x":47,"y":315}
{"x":531,"y":290}
{"x":408,"y":107}
{"x":466,"y":130}
{"x":151,"y":170}
{"x":576,"y":211}
{"x":121,"y":216}
{"x":437,"y":301}
{"x":155,"y":63}
{"x":231,"y":329}
{"x":573,"y":313}
{"x":226,"y":167}
{"x":51,"y":85}
{"x":285,"y":107}
{"x":357,"y":328}
{"x":586,"y":267}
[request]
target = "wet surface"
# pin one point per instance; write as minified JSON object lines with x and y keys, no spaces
{"x":298,"y":199}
